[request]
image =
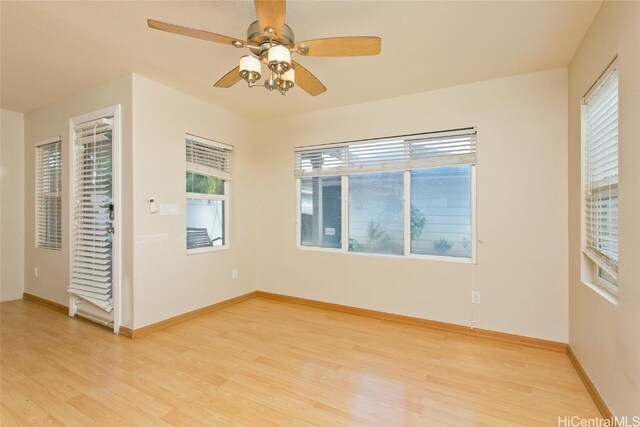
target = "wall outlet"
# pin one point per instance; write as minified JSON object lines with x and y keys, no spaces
{"x":475,"y":297}
{"x":35,"y":271}
{"x":234,"y":274}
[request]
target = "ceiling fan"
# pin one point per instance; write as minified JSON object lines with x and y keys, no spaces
{"x":271,"y":43}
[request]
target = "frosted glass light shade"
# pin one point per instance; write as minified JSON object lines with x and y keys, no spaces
{"x":279,"y":55}
{"x":250,"y":64}
{"x":289,"y":78}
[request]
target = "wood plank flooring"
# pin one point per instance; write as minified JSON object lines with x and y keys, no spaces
{"x":264,"y":362}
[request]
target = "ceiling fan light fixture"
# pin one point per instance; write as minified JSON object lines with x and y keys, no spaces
{"x":271,"y":43}
{"x":250,"y":68}
{"x":279,"y":59}
{"x":289,"y":78}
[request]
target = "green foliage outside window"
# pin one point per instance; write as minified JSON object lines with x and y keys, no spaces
{"x":418,"y":220}
{"x":203,"y":184}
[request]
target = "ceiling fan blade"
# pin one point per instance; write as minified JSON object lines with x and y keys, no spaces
{"x":197,"y":34}
{"x":340,"y":46}
{"x":307,"y":81}
{"x":229,"y":79}
{"x":271,"y":14}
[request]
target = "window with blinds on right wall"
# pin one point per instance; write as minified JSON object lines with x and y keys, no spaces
{"x":600,"y":180}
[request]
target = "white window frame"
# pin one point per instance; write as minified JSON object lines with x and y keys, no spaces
{"x":225,"y":198}
{"x":407,"y":221}
{"x":590,"y":275}
{"x":37,"y":235}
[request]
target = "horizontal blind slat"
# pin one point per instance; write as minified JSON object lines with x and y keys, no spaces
{"x":92,"y":172}
{"x":213,"y":159}
{"x":396,"y":153}
{"x":49,"y":195}
{"x":601,"y":170}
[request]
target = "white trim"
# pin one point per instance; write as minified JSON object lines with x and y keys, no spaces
{"x":226,"y":203}
{"x":48,"y":141}
{"x":604,"y":284}
{"x":399,"y":257}
{"x":116,"y":196}
{"x":613,"y":299}
{"x":116,"y":190}
{"x":205,"y":171}
{"x":196,"y":251}
{"x":605,"y":74}
{"x":209,"y":142}
{"x":406,"y":205}
{"x":201,"y":196}
{"x":298,"y":213}
{"x":474,"y":224}
{"x":344,"y":212}
{"x":598,"y":262}
{"x":321,"y":249}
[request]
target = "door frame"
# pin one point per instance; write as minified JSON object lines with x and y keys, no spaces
{"x":116,"y":190}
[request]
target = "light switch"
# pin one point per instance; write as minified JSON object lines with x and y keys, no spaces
{"x":153,"y":206}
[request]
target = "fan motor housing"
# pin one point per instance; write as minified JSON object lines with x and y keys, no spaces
{"x":257,"y":37}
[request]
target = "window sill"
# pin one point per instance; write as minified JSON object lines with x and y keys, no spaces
{"x":207,"y":249}
{"x":604,"y":293}
{"x":366,"y":254}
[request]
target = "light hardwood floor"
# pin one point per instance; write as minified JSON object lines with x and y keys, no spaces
{"x":264,"y":362}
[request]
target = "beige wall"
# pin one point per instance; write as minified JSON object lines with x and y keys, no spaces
{"x":521,"y":209}
{"x":167,"y":281}
{"x":52,"y":121}
{"x":606,"y":336}
{"x":12,"y":205}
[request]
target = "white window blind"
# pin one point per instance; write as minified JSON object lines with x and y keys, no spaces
{"x":91,"y":267}
{"x":49,"y":195}
{"x":601,"y":173}
{"x":386,"y":154}
{"x":208,"y":157}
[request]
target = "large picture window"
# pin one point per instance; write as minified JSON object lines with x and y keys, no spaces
{"x":207,"y":184}
{"x":600,"y":172}
{"x":405,"y":196}
{"x":49,"y":194}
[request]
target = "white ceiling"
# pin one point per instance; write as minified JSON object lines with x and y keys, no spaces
{"x":54,"y":49}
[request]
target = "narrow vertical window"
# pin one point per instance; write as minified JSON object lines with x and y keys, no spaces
{"x":320,"y":211}
{"x":207,"y":185}
{"x":49,"y":195}
{"x":600,"y":171}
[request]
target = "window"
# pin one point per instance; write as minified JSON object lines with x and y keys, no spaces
{"x":49,"y":194}
{"x":207,"y":184}
{"x":600,"y":171}
{"x":376,"y":219}
{"x":320,"y":212}
{"x":441,"y":211}
{"x":405,"y":196}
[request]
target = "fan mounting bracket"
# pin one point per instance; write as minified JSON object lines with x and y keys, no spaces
{"x":258,"y":39}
